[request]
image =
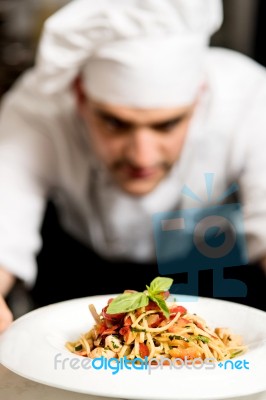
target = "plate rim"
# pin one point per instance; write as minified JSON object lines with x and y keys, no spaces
{"x":113,"y":395}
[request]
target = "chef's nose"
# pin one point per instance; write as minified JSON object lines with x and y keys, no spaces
{"x":142,"y":148}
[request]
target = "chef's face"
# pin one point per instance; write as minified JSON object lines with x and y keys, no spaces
{"x":138,"y":146}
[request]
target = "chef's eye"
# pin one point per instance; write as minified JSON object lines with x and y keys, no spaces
{"x":115,"y":124}
{"x":169,"y":125}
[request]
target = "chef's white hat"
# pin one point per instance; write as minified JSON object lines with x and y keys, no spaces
{"x":139,"y":53}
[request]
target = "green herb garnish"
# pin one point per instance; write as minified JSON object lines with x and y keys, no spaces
{"x":127,"y":302}
{"x":159,"y":285}
{"x":236,"y":353}
{"x":137,"y":329}
{"x":114,"y":345}
{"x":203,"y":339}
{"x":175,"y":337}
{"x":78,"y":348}
{"x":132,"y":301}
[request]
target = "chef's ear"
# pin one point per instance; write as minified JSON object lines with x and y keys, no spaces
{"x":79,"y":92}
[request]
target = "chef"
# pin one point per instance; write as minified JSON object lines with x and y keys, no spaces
{"x":125,"y":105}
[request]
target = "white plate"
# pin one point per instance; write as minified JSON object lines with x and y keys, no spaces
{"x":30,"y":345}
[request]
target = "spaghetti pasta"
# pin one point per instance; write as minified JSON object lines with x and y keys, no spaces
{"x":148,"y":332}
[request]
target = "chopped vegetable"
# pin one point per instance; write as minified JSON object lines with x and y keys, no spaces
{"x":203,"y":339}
{"x":176,"y":337}
{"x":236,"y":353}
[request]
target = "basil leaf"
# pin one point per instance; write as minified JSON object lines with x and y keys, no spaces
{"x":127,"y":302}
{"x":161,"y":303}
{"x":176,"y":337}
{"x":159,"y":285}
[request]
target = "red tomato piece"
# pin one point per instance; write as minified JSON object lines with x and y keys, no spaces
{"x":110,"y":331}
{"x":154,"y":320}
{"x":178,"y":309}
{"x":101,"y":328}
{"x":124,"y":330}
{"x":165,"y":295}
{"x":152,"y":306}
{"x":127,"y":321}
{"x":143,"y":350}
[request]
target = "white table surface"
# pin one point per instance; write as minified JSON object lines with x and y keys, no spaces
{"x":14,"y":387}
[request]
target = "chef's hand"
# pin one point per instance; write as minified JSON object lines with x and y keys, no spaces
{"x":6,"y":316}
{"x":7,"y":280}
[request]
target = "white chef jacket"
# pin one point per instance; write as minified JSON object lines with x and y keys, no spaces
{"x":45,"y":151}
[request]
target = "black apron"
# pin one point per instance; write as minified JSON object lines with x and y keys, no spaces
{"x":68,"y":269}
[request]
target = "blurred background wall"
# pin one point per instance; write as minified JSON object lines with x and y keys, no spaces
{"x":21,"y":23}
